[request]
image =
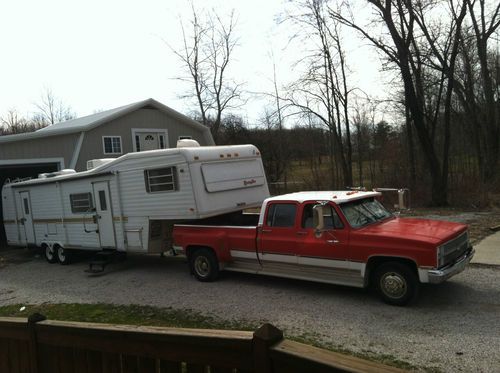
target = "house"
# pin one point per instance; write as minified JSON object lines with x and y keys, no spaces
{"x":144,"y":125}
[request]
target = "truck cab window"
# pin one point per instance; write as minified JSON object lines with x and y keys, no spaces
{"x":330,"y":216}
{"x":281,"y":215}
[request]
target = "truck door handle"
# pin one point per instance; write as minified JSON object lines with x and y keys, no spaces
{"x":266,"y":230}
{"x":332,"y":241}
{"x":300,"y":233}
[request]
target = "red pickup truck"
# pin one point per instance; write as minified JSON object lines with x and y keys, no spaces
{"x":345,"y":238}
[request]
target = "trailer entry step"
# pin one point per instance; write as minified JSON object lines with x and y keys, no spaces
{"x":100,"y":260}
{"x":97,"y":266}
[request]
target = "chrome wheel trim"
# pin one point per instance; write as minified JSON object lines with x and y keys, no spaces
{"x":393,"y":285}
{"x":202,"y":266}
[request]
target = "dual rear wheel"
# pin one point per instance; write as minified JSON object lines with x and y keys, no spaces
{"x":204,"y":265}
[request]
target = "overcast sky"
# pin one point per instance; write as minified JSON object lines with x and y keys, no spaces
{"x":100,"y":54}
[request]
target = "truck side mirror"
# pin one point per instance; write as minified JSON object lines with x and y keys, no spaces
{"x":318,"y":221}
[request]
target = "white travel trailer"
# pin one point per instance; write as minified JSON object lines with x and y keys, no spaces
{"x":130,"y":203}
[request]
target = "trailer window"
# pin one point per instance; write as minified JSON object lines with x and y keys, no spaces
{"x":81,"y":202}
{"x":161,"y":180}
{"x":102,"y":200}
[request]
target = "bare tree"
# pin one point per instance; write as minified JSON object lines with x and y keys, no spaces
{"x":13,"y":123}
{"x":478,"y":91}
{"x":51,"y":110}
{"x":206,"y":53}
{"x":323,"y":90}
{"x":425,"y":60}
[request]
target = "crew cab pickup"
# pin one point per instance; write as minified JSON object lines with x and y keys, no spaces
{"x":337,"y":237}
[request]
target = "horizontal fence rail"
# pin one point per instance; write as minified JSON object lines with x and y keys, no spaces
{"x":36,"y":345}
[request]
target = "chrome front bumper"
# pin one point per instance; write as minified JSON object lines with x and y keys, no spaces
{"x":436,"y":276}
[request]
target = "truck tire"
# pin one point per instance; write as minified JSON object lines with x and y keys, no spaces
{"x":204,"y":265}
{"x":50,"y":253}
{"x":396,"y":283}
{"x":63,"y":256}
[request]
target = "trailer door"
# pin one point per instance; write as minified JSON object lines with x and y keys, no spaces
{"x":27,"y":218}
{"x":104,"y":214}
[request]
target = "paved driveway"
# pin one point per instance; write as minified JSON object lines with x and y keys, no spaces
{"x":454,"y":326}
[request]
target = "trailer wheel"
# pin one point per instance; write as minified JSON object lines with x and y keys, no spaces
{"x":50,"y":253}
{"x":204,"y":265}
{"x":396,"y":283}
{"x":63,"y":255}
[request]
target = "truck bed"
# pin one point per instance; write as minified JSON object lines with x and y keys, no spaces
{"x":227,"y":234}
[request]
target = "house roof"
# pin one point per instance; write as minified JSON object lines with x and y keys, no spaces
{"x":90,"y":121}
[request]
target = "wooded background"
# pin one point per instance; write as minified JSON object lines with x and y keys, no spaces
{"x":436,"y":130}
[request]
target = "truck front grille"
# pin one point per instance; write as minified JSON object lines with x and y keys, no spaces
{"x":455,"y":248}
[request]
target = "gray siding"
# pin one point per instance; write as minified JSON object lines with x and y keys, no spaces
{"x":92,"y":147}
{"x":47,"y":147}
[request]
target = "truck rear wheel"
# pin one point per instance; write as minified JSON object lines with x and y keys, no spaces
{"x":396,"y":283}
{"x":204,"y":265}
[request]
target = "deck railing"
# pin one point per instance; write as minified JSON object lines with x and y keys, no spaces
{"x":36,"y":345}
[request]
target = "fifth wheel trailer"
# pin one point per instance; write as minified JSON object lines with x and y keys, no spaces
{"x":130,"y":203}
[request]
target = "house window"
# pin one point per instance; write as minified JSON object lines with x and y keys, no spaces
{"x":81,"y":202}
{"x":112,"y":144}
{"x":161,"y":139}
{"x":161,"y":180}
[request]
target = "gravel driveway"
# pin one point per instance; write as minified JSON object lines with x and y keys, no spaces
{"x":454,"y":327}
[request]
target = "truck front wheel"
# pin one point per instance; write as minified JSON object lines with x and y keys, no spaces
{"x":396,"y":283}
{"x":204,"y":265}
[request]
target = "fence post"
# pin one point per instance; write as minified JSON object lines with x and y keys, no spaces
{"x":33,"y":343}
{"x":263,"y":338}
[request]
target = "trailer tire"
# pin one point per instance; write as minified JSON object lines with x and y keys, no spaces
{"x":50,"y":253}
{"x":396,"y":283}
{"x":63,"y":256}
{"x":204,"y":265}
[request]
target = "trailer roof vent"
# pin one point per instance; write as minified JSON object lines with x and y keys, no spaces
{"x":187,"y":143}
{"x":93,"y":163}
{"x":66,"y":171}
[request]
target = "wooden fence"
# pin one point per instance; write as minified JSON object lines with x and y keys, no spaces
{"x":36,"y":345}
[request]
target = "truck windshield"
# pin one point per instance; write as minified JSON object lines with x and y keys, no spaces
{"x":364,"y":211}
